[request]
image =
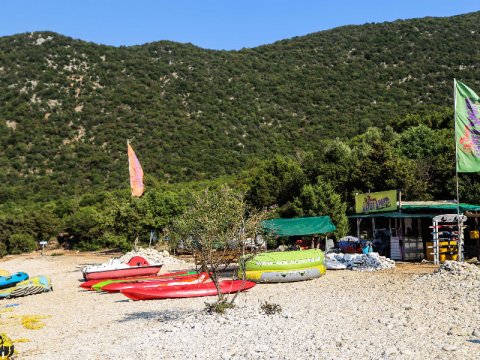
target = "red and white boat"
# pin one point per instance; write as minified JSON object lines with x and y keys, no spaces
{"x":114,"y":269}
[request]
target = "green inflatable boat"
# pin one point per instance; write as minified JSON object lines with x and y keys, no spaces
{"x":285,"y":266}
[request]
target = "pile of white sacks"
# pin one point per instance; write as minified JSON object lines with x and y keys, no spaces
{"x":153,"y":257}
{"x":359,"y":262}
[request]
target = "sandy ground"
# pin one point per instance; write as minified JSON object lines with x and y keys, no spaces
{"x":343,"y":315}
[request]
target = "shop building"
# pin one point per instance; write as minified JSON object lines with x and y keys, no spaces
{"x":406,"y":234}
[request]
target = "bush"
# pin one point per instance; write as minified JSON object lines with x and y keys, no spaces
{"x":20,"y":243}
{"x":270,"y":308}
{"x":3,"y":249}
{"x":121,"y":242}
{"x":86,"y":245}
{"x":218,"y":307}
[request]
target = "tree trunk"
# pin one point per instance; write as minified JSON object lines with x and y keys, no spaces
{"x":244,"y":277}
{"x":214,"y":277}
{"x":135,"y":244}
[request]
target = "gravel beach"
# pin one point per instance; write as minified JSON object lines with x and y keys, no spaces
{"x":402,"y":313}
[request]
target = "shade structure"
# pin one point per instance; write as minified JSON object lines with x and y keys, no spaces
{"x":448,"y":208}
{"x":392,"y":215}
{"x":299,"y":226}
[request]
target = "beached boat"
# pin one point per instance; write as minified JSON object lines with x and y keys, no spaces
{"x":12,"y":280}
{"x":188,"y":291}
{"x":90,"y":283}
{"x":114,"y":269}
{"x":145,"y":284}
{"x":285,"y":266}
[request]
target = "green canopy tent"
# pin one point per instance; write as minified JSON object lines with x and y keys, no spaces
{"x":299,"y":226}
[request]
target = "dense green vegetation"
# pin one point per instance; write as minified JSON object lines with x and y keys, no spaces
{"x":68,"y":106}
{"x":418,"y":159}
{"x":299,"y":126}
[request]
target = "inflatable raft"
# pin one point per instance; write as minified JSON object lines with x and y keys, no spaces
{"x":12,"y":280}
{"x":35,"y":285}
{"x":285,"y":266}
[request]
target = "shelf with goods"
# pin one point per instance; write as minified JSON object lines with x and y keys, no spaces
{"x":447,"y":238}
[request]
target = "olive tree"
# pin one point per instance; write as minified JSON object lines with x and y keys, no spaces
{"x":214,"y":228}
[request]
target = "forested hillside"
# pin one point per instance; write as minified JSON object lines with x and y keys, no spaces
{"x":67,"y":106}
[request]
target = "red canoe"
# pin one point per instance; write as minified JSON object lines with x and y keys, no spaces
{"x":145,"y":284}
{"x":132,"y":271}
{"x":187,"y":291}
{"x":88,"y":284}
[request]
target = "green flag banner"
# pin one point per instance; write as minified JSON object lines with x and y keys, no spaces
{"x":467,"y":128}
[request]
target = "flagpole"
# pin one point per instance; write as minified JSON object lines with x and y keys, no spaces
{"x":456,"y":147}
{"x":460,"y":231}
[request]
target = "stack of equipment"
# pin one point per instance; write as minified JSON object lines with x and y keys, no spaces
{"x":36,"y":285}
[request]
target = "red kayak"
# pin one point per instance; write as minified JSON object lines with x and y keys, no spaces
{"x":145,"y":284}
{"x":88,"y":284}
{"x":187,"y":291}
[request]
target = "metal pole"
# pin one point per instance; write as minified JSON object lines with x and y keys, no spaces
{"x":400,"y":200}
{"x":436,"y":245}
{"x":460,"y":230}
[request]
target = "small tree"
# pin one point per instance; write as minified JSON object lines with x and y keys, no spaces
{"x":214,"y":228}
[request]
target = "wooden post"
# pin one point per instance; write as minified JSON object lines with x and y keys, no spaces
{"x":135,"y":244}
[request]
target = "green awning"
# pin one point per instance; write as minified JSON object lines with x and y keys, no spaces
{"x":422,"y":209}
{"x":447,"y":208}
{"x":392,"y":215}
{"x":299,"y":226}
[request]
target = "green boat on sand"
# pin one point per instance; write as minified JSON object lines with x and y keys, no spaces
{"x":285,"y":266}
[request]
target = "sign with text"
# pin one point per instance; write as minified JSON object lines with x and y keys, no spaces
{"x":376,"y":202}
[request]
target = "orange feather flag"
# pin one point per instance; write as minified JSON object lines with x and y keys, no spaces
{"x":136,"y":172}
